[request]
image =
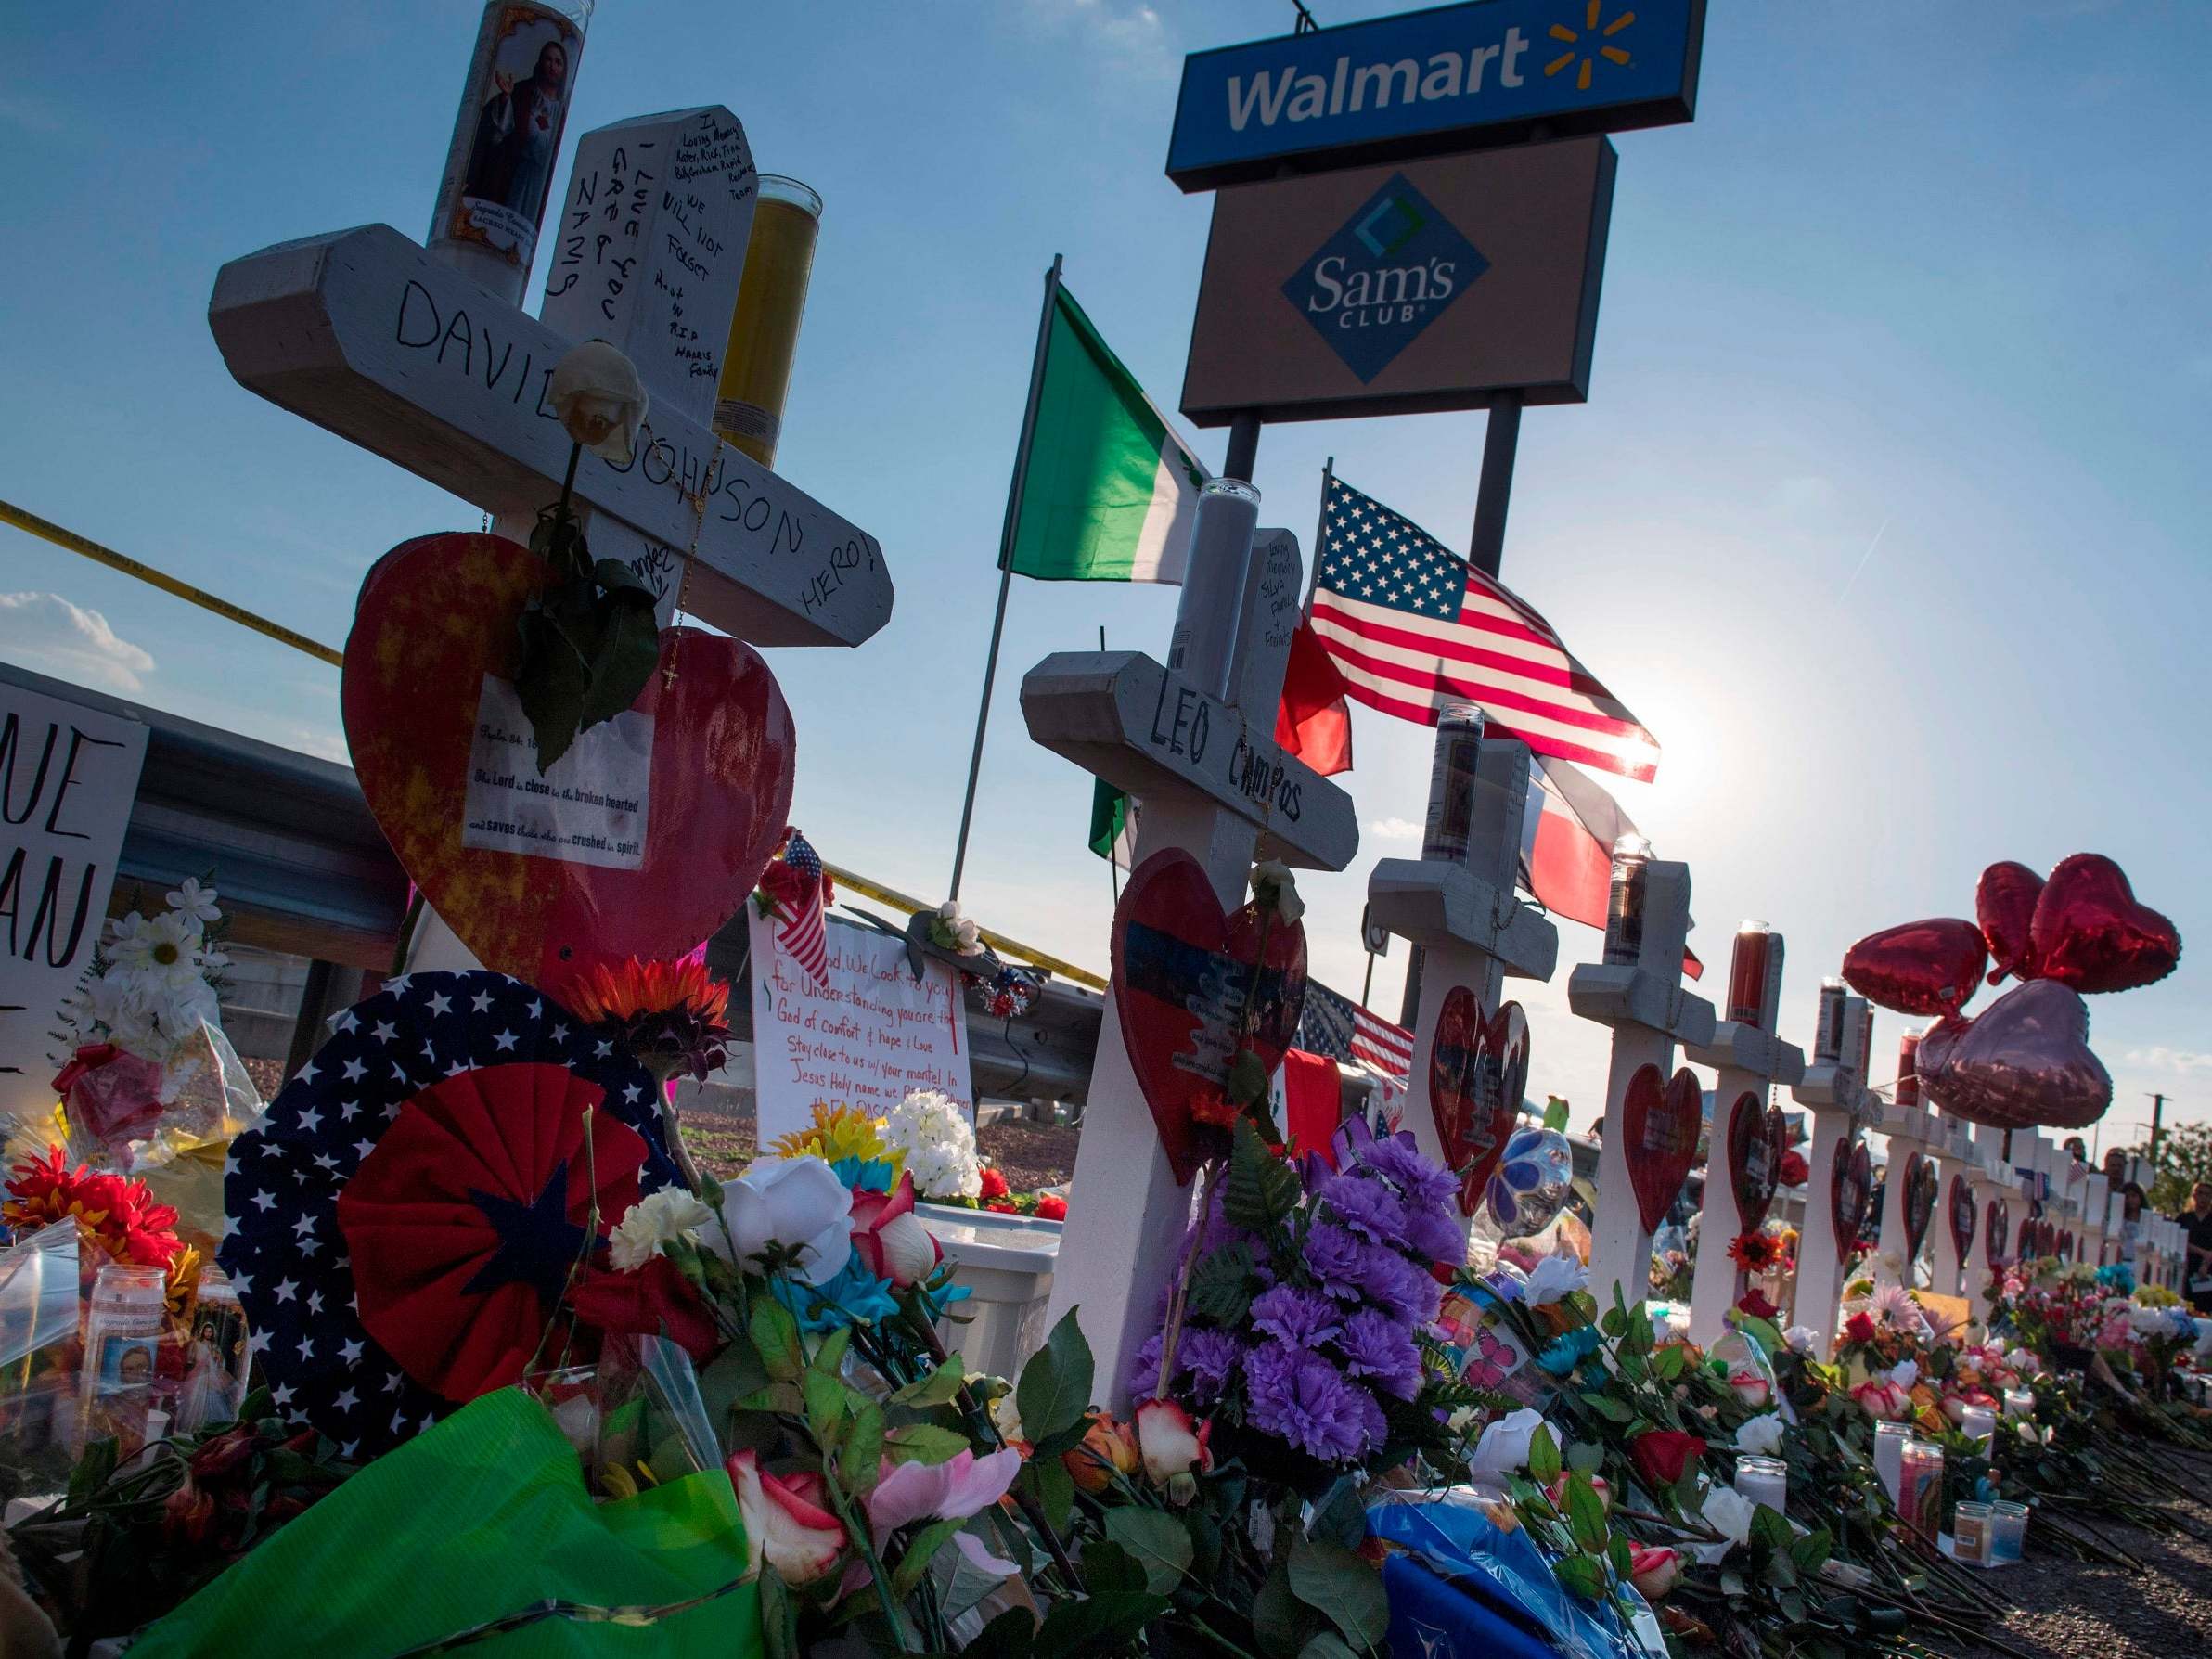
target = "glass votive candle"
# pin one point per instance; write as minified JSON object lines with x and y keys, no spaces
{"x":1977,"y":1423}
{"x":2019,"y":1402}
{"x":1919,"y":1498}
{"x":1970,"y":1534}
{"x":1764,"y":1480}
{"x":2008,"y":1530}
{"x":1889,"y":1454}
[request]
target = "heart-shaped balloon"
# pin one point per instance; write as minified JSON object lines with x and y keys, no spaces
{"x":1183,"y":975}
{"x":1933,"y":1052}
{"x":1920,"y":966}
{"x":1850,"y":1188}
{"x":652,"y":830}
{"x":1996,"y":1227}
{"x":1478,"y":1069}
{"x":2089,"y":934}
{"x":1962,"y":1216}
{"x":2004,"y":907}
{"x":1660,"y":1142}
{"x":1754,"y":1162}
{"x":1922,"y":1186}
{"x":2024,"y":1061}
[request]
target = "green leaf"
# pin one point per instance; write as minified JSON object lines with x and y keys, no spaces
{"x":831,"y":1354}
{"x":1341,"y":1587}
{"x":1012,"y":1635}
{"x":1099,"y":1624}
{"x":782,"y":1397}
{"x":1107,"y":1566}
{"x":1614,"y":1323}
{"x":922,"y":1443}
{"x":628,"y":651}
{"x":1667,"y":1363}
{"x":780,"y":1619}
{"x":1054,"y":1391}
{"x":1580,"y":1576}
{"x":1055,"y":1490}
{"x":1543,"y":1456}
{"x":1221,"y":1285}
{"x":1811,"y":1552}
{"x":860,"y":1459}
{"x":1261,"y":1189}
{"x":776,"y":1337}
{"x":1282,"y":1622}
{"x":1157,"y":1540}
{"x":824,"y":1396}
{"x":1771,"y":1527}
{"x":1761,"y":1331}
{"x":1585,"y":1456}
{"x":1327,"y":1644}
{"x":1622,"y":1558}
{"x":1585,"y":1513}
{"x":735,"y":1372}
{"x":936,"y":1389}
{"x":92,"y":1470}
{"x":920,"y":1551}
{"x":1605,"y":1406}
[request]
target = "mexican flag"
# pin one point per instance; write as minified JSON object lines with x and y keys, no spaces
{"x":1112,"y":823}
{"x":1111,"y":491}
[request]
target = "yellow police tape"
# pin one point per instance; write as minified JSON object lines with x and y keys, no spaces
{"x":46,"y":530}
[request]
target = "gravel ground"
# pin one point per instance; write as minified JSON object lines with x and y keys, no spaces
{"x":2068,"y":1608}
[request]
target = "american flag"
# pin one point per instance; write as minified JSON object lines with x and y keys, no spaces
{"x":1339,"y":1028}
{"x":1414,"y":628}
{"x":801,"y":934}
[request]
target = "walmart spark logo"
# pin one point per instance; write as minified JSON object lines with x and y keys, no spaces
{"x":1394,"y":223}
{"x":1585,"y":44}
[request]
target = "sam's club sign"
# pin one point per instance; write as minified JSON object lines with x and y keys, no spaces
{"x":1428,"y":83}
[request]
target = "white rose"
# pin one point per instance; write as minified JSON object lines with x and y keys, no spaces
{"x":792,"y":1202}
{"x":1729,"y":1512}
{"x":1905,"y":1373}
{"x":656,"y":1219}
{"x":1800,"y":1339}
{"x":1554,"y":1277}
{"x":1504,"y":1446}
{"x":599,"y":399}
{"x":1762,"y":1435}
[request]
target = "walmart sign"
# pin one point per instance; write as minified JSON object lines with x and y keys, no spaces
{"x":1429,"y":83}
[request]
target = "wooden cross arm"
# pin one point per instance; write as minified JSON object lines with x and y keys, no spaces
{"x":1749,"y":1049}
{"x":365,"y":334}
{"x":1445,"y":905}
{"x":1827,"y":1082}
{"x":1121,"y":716}
{"x":1618,"y":994}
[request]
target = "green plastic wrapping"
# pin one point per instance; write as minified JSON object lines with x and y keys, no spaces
{"x":478,"y":1522}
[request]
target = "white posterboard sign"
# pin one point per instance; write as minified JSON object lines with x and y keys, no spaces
{"x":868,"y":1038}
{"x":67,"y":777}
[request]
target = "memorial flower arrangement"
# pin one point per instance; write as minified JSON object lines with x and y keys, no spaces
{"x":934,"y":1133}
{"x":672,"y":1016}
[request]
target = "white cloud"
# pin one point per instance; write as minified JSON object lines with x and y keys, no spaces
{"x":1129,"y":35}
{"x":1394,"y":830}
{"x":43,"y":631}
{"x":2185,"y":1061}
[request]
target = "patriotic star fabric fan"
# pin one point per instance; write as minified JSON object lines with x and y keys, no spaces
{"x":403,"y":1222}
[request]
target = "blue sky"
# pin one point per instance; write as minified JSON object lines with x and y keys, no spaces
{"x":1888,"y":513}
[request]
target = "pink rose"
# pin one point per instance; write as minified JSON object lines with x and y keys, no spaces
{"x":784,"y":1521}
{"x":1882,"y":1399}
{"x":1654,"y":1571}
{"x":1751,"y":1388}
{"x":1172,"y":1447}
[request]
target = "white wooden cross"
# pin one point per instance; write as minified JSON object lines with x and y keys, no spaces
{"x":1747,"y":1058}
{"x":2095,"y":1209}
{"x":1472,"y":929}
{"x":1910,"y":1128}
{"x":1834,"y":1090}
{"x":1994,"y":1183}
{"x":1952,"y":1147}
{"x":365,"y":333}
{"x":1195,"y":742}
{"x":1649,"y":1011}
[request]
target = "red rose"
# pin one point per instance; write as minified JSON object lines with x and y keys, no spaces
{"x":1756,"y":1304}
{"x":656,"y":1300}
{"x":1001,"y":1207}
{"x":994,"y":1184}
{"x":1661,"y":1455}
{"x":1050,"y":1206}
{"x":1793,"y":1171}
{"x":1858,"y":1329}
{"x":223,"y":1453}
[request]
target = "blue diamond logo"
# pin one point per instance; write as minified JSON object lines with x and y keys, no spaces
{"x":1371,"y":288}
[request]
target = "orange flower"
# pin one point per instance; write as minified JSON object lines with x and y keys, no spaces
{"x":672,"y":1016}
{"x":1107,"y":1449}
{"x":118,"y":1215}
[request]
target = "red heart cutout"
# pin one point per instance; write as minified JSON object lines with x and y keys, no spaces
{"x":2089,"y":932}
{"x":436,"y":619}
{"x":1755,"y":1159}
{"x":1851,"y":1187}
{"x":1477,"y":1071}
{"x":2024,"y":1061}
{"x":1919,"y":967}
{"x":1661,"y":1121}
{"x":1997,"y":1229}
{"x":1922,"y":1187}
{"x":1182,"y":969}
{"x":2004,"y":907}
{"x":1961,"y":1216}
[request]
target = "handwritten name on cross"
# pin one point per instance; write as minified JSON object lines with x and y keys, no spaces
{"x":365,"y":333}
{"x":1473,"y":929}
{"x":1196,"y":743}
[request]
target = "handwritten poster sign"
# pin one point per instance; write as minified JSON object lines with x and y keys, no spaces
{"x":67,"y":776}
{"x":866,"y":1038}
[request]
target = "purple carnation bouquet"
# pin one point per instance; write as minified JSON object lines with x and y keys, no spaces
{"x":1302,"y":1317}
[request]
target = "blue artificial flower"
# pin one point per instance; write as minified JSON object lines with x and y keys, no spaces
{"x":876,"y":1175}
{"x":1564,"y":1352}
{"x":2117,"y":1275}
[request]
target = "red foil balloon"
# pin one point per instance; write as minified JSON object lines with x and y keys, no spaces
{"x":2004,"y":903}
{"x":1919,"y":967}
{"x":1934,"y":1052}
{"x":2089,"y":932}
{"x":2024,"y":1061}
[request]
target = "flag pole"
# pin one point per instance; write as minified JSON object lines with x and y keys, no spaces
{"x":1114,"y":870}
{"x":1313,"y":577}
{"x":1006,"y":564}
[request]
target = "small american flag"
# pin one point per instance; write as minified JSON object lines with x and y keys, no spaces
{"x":1414,"y":628}
{"x":802,"y":933}
{"x":1382,"y":1046}
{"x":1334,"y":1025}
